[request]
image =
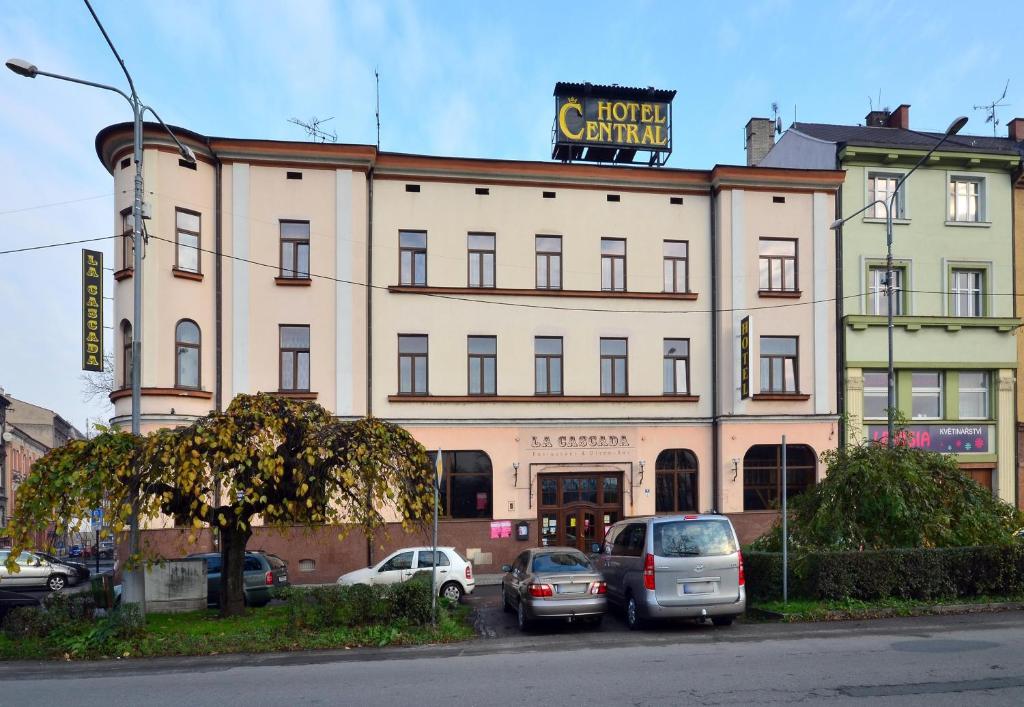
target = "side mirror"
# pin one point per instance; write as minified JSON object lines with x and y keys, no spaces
{"x":596,"y":548}
{"x":506,"y":568}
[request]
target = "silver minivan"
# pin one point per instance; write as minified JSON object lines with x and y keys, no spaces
{"x":679,"y":566}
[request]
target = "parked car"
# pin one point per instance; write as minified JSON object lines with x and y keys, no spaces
{"x":106,"y":549}
{"x":35,"y":572}
{"x":684,"y":566}
{"x":553,"y":583}
{"x":13,"y":600}
{"x":78,"y":571}
{"x":75,"y":551}
{"x":454,"y":572}
{"x":261,"y":573}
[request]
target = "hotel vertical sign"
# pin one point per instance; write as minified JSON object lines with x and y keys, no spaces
{"x":92,"y":310}
{"x":745,"y":358}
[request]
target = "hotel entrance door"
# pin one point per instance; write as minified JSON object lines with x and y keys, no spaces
{"x":576,"y":508}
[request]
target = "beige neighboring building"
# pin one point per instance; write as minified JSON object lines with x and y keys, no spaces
{"x":548,"y":326}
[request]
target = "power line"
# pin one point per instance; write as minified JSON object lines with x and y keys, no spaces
{"x":56,"y":245}
{"x":56,"y":203}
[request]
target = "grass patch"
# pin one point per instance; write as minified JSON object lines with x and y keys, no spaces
{"x":798,"y":610}
{"x":262,"y":630}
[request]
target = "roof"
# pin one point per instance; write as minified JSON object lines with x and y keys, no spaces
{"x":864,"y":136}
{"x":649,"y":93}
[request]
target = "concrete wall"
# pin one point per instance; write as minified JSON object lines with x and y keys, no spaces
{"x":175,"y":586}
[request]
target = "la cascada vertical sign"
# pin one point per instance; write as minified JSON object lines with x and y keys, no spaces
{"x":613,"y":124}
{"x":92,"y":310}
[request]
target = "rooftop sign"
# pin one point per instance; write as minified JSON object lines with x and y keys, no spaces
{"x":612,"y":124}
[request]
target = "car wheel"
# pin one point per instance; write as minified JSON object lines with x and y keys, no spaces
{"x":633,"y":620}
{"x":452,"y":592}
{"x":522,"y":619}
{"x":722,"y":620}
{"x":56,"y":582}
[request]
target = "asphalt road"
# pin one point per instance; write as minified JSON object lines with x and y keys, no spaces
{"x":957,"y":660}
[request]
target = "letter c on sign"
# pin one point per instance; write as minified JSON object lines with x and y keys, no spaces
{"x":561,"y":121}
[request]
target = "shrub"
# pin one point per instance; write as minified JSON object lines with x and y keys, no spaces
{"x":27,"y":622}
{"x":319,"y":608}
{"x":410,"y":601}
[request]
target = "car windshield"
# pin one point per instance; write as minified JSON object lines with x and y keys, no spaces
{"x":561,"y":562}
{"x":685,"y":538}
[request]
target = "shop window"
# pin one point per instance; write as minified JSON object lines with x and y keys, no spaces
{"x":762,"y":474}
{"x":675,"y":482}
{"x":974,"y":395}
{"x":466,"y":484}
{"x":926,"y":395}
{"x":876,"y":395}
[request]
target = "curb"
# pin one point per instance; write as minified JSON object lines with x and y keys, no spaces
{"x":887,"y":612}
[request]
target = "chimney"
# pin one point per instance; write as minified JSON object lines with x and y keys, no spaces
{"x":899,"y":118}
{"x":1016,"y":129}
{"x":877,"y":119}
{"x":760,"y":139}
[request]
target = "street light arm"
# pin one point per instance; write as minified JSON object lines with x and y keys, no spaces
{"x":186,"y":151}
{"x":920,"y":162}
{"x":110,"y":44}
{"x":839,"y":222}
{"x":104,"y":86}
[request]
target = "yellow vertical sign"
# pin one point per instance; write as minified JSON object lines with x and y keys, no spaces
{"x":745,"y":357}
{"x":92,"y":310}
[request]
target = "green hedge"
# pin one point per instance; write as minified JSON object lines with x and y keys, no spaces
{"x":928,"y":573}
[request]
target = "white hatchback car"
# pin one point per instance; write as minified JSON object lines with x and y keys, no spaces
{"x":454,"y":573}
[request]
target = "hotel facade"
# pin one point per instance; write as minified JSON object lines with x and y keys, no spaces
{"x":583,"y":343}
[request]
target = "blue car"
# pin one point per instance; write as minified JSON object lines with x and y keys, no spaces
{"x":75,"y":551}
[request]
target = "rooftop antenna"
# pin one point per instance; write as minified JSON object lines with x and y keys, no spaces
{"x":376,"y":76}
{"x":990,"y":109}
{"x":778,"y":119}
{"x":313,"y":129}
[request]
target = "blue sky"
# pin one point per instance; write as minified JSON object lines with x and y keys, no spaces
{"x":457,"y":78}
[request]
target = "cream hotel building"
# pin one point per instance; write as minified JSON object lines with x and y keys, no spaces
{"x":568,"y":334}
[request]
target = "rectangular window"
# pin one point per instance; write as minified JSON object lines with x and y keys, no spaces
{"x":294,"y":346}
{"x":295,"y":249}
{"x":967,"y":291}
{"x":926,"y":395}
{"x":412,"y":364}
{"x":412,"y":258}
{"x":881,"y":187}
{"x":965,"y":199}
{"x":187,"y":223}
{"x":481,"y":259}
{"x":676,"y":367}
{"x":974,"y":387}
{"x":779,"y":364}
{"x":127,"y":240}
{"x":483,"y":364}
{"x":549,"y":262}
{"x":613,"y":367}
{"x":878,"y":298}
{"x":613,"y":264}
{"x":777,"y":264}
{"x":876,"y":395}
{"x":547,"y":358}
{"x":676,"y":266}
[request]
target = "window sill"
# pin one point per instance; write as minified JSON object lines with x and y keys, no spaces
{"x":187,"y":274}
{"x":970,"y":224}
{"x":293,"y":281}
{"x":539,"y":292}
{"x":406,"y":398}
{"x":123,"y":274}
{"x":174,"y":392}
{"x":295,"y":394}
{"x":781,"y":396}
{"x":780,"y":294}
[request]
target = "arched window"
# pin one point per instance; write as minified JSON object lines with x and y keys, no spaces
{"x":186,"y":347}
{"x":467,"y":484}
{"x":675,"y":482}
{"x":762,"y":474}
{"x":126,"y":353}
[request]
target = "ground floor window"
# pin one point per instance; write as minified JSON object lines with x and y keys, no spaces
{"x":762,"y":474}
{"x":675,"y":482}
{"x":466,"y":485}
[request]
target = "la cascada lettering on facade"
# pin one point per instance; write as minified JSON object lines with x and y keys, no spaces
{"x":579,"y":442}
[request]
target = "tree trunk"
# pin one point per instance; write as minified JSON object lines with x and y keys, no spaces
{"x":232,"y":559}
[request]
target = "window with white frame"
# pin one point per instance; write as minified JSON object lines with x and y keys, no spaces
{"x":876,"y":395}
{"x":878,"y":298}
{"x":974,"y":402}
{"x":966,"y":196}
{"x":777,"y":264}
{"x":881,"y":187}
{"x":926,"y":394}
{"x":967,"y":290}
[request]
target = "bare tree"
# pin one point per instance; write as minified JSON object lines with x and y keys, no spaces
{"x":97,"y":386}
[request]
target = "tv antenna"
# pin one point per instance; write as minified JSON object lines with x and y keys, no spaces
{"x":990,"y":109}
{"x":313,"y":129}
{"x":376,"y":76}
{"x":778,"y":120}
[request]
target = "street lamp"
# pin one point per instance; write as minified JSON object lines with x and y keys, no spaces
{"x":134,"y":581}
{"x":889,"y":205}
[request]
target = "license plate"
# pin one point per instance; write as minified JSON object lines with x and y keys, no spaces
{"x":698,"y":587}
{"x":283,"y":578}
{"x":571,"y":588}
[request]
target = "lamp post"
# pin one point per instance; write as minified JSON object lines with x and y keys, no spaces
{"x":889,"y":205}
{"x":134,"y":581}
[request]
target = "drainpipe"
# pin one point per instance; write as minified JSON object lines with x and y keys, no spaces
{"x":715,"y":443}
{"x":840,"y":328}
{"x":218,"y":312}
{"x":369,"y":316}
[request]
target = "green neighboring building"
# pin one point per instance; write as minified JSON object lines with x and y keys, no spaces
{"x":955,"y":333}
